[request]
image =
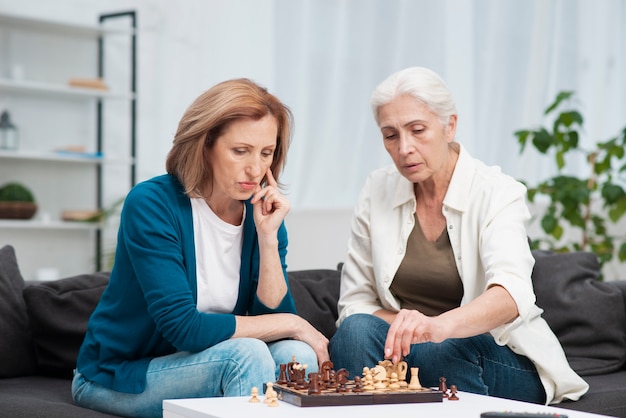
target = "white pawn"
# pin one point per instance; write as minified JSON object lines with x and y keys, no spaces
{"x":255,"y":395}
{"x":393,"y":381}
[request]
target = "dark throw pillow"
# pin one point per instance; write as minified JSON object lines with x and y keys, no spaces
{"x":16,"y":347}
{"x":58,"y":313}
{"x":315,"y":293}
{"x":586,"y":315}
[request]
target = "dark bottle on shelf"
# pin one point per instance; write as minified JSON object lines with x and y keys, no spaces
{"x":8,"y":132}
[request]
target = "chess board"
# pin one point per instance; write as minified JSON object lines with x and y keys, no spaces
{"x":330,"y":397}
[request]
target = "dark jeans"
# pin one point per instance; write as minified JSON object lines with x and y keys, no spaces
{"x":476,"y":364}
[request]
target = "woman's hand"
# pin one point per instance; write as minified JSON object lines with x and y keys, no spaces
{"x":495,"y":307}
{"x":277,"y":326}
{"x":270,"y":207}
{"x":412,"y":327}
{"x":310,"y":335}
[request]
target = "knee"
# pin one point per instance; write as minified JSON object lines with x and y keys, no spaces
{"x":284,"y":351}
{"x":357,"y":327}
{"x":252,"y":352}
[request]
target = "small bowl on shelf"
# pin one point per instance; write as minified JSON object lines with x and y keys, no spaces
{"x":17,"y":210}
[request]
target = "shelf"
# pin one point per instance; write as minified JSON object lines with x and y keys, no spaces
{"x":26,"y":23}
{"x":39,"y":87}
{"x":37,"y":224}
{"x":69,"y":157}
{"x":69,"y":89}
{"x":48,"y":156}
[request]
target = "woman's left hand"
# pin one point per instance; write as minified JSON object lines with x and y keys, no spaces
{"x":270,"y":206}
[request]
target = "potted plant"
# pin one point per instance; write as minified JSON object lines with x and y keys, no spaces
{"x":581,"y":210}
{"x":16,"y":202}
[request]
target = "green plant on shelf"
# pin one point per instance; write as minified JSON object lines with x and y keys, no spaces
{"x":16,"y":192}
{"x":17,"y":202}
{"x":591,"y":204}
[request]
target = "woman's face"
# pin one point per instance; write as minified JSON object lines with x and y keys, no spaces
{"x":241,"y":156}
{"x":415,"y":138}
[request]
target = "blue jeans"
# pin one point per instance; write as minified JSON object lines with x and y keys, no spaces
{"x":477,"y":364}
{"x":230,"y":368}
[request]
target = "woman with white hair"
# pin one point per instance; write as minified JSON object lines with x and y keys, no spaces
{"x":438,"y":271}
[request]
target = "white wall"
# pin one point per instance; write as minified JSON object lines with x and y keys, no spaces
{"x":504,"y":61}
{"x":318,"y":238}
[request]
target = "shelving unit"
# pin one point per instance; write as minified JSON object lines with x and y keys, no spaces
{"x":38,"y":58}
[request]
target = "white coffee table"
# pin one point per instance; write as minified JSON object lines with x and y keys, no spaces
{"x":468,"y":405}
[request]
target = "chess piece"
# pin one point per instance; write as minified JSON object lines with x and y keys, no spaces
{"x":300,"y":372}
{"x":270,"y":393}
{"x":369,"y":380}
{"x":325,"y":370}
{"x":341,"y":380}
{"x":401,"y":369}
{"x":255,"y":395}
{"x":443,"y":387}
{"x":453,"y":392}
{"x":393,"y":381}
{"x":291,"y":371}
{"x":315,"y":384}
{"x":415,"y":384}
{"x":358,"y":385}
{"x":388,"y":365}
{"x":282,"y":376}
{"x":379,"y":376}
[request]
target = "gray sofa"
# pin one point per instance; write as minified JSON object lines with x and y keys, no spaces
{"x":42,"y":326}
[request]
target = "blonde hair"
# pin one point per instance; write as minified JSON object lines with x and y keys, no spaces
{"x":204,"y":121}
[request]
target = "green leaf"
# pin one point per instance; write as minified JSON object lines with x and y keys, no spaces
{"x":573,"y":139}
{"x":522,"y":137}
{"x":621,"y":254}
{"x":617,"y":211}
{"x":571,"y":117}
{"x":549,"y":224}
{"x":558,"y":232}
{"x":560,"y":160}
{"x":611,"y":193}
{"x":564,"y":95}
{"x":542,"y":140}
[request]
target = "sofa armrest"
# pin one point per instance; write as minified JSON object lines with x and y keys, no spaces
{"x":621,"y":285}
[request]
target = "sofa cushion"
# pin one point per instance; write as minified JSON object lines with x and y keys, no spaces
{"x":16,"y":349}
{"x":41,"y":397}
{"x":588,"y":316}
{"x":315,"y":293}
{"x":58,"y":313}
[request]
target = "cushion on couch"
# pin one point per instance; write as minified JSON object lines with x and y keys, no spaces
{"x":58,"y":313}
{"x":588,"y":316}
{"x":16,"y":349}
{"x":315,"y":294}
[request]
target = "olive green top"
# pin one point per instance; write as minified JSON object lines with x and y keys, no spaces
{"x":427,"y":279}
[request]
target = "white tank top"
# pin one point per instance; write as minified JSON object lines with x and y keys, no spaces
{"x":218,"y":258}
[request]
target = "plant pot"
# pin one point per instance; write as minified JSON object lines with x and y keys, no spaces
{"x":17,"y":210}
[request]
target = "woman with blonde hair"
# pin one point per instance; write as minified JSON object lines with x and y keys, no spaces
{"x":198,"y":303}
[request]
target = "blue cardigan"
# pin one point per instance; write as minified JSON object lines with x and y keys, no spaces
{"x":149,"y":307}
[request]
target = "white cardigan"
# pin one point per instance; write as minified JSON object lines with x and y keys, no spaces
{"x":486,"y":212}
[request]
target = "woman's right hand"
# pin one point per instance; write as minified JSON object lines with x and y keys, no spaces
{"x":277,"y":326}
{"x":310,"y":335}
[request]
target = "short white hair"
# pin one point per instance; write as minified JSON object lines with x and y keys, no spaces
{"x":420,"y":83}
